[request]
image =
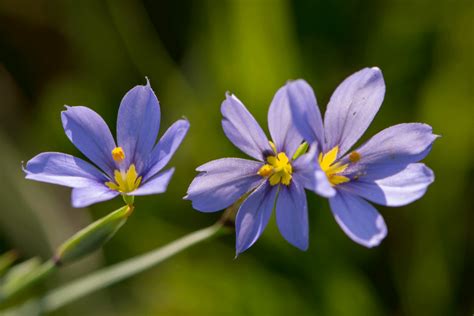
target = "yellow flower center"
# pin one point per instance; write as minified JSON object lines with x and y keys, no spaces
{"x":125,"y":181}
{"x":118,"y":154}
{"x":332,"y":170}
{"x":278,"y":169}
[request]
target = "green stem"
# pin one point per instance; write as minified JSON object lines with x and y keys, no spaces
{"x":118,"y":272}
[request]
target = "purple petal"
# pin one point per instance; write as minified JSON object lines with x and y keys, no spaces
{"x":62,"y":169}
{"x":91,"y":135}
{"x":166,"y":147}
{"x":155,"y":185}
{"x":389,"y":151}
{"x":93,"y":193}
{"x":307,"y":171}
{"x":399,"y":189}
{"x":305,"y":111}
{"x":138,"y":123}
{"x":292,"y":215}
{"x":253,"y":216}
{"x":358,"y":219}
{"x":242,"y":130}
{"x":222,"y":182}
{"x":283,"y":131}
{"x":352,"y":108}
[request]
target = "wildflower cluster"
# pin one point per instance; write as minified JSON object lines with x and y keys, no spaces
{"x":384,"y":170}
{"x":303,"y":152}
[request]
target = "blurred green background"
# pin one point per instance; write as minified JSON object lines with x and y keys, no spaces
{"x":91,"y":52}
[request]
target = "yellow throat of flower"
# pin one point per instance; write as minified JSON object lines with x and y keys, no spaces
{"x":332,"y":170}
{"x":278,"y":169}
{"x":124,"y":181}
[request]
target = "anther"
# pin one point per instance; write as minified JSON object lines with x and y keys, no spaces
{"x":118,"y":154}
{"x":354,"y":156}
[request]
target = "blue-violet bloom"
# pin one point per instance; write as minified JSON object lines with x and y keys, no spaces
{"x":276,"y":179}
{"x":384,"y":170}
{"x":129,"y":167}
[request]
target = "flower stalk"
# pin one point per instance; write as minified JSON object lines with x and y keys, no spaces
{"x":92,"y":237}
{"x":105,"y":277}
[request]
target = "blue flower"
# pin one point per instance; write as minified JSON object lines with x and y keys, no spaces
{"x":275,"y":179}
{"x":384,"y":170}
{"x":129,"y":167}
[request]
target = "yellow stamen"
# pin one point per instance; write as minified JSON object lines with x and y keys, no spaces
{"x":354,"y":156}
{"x":272,"y":144}
{"x":301,"y":150}
{"x":265,"y":171}
{"x":278,"y":169}
{"x":332,"y":169}
{"x":118,"y":154}
{"x":125,"y":182}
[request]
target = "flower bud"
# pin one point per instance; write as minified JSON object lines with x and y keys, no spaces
{"x":92,"y":237}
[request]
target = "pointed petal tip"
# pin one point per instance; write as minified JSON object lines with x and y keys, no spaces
{"x":184,"y":118}
{"x":23,"y":167}
{"x":198,"y":169}
{"x":147,"y":85}
{"x":66,"y":109}
{"x":424,"y":125}
{"x":237,"y":254}
{"x":230,"y":95}
{"x":227,"y":102}
{"x":242,"y":129}
{"x":296,"y":81}
{"x":185,"y":121}
{"x":292,"y":84}
{"x":298,"y":84}
{"x":302,"y":246}
{"x":76,"y":205}
{"x":372,"y":74}
{"x":376,"y":240}
{"x":376,"y":73}
{"x":359,"y":220}
{"x":430,"y":176}
{"x":239,"y":249}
